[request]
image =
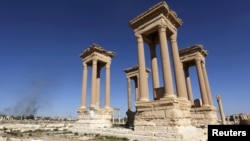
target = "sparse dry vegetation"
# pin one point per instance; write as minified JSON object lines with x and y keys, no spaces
{"x":62,"y":135}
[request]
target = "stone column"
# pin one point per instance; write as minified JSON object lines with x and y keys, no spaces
{"x":201,"y":83}
{"x":98,"y":86}
{"x":178,"y":69}
{"x":207,"y":84}
{"x":84,"y":85}
{"x":143,"y":84}
{"x":188,"y":83}
{"x":119,"y":117}
{"x":222,"y":115}
{"x":166,"y":67}
{"x":129,"y":94}
{"x":93,"y":88}
{"x":107,"y":96}
{"x":113,"y":117}
{"x":154,"y":67}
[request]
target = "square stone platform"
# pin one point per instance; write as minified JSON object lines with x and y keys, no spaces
{"x":95,"y":118}
{"x":173,"y":118}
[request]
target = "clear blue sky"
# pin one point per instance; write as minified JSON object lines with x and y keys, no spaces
{"x":41,"y":40}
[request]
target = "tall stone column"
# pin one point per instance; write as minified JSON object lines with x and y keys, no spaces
{"x":129,"y":94}
{"x":166,"y":67}
{"x":98,"y":86}
{"x":84,"y":85}
{"x":107,"y":90}
{"x":210,"y":101}
{"x":113,"y":117}
{"x":178,"y":68}
{"x":119,"y":116}
{"x":154,"y":65}
{"x":143,"y":84}
{"x":202,"y":83}
{"x":223,"y":119}
{"x":93,"y":88}
{"x":188,"y":83}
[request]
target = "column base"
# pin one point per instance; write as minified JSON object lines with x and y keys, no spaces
{"x":143,"y":99}
{"x":170,"y":118}
{"x":203,"y":116}
{"x":168,"y":97}
{"x":81,"y":109}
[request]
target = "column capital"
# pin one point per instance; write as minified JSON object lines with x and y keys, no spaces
{"x":203,"y":65}
{"x":162,"y":28}
{"x":173,"y":37}
{"x":138,"y":37}
{"x":198,"y":60}
{"x":108,"y":63}
{"x":84,"y":64}
{"x":94,"y":61}
{"x":218,"y":98}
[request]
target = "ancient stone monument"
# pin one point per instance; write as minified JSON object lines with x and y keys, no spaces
{"x":195,"y":56}
{"x":170,"y":114}
{"x":132,"y":73}
{"x":94,"y":116}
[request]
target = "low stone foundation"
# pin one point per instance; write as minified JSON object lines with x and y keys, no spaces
{"x":203,"y":116}
{"x":172,"y":118}
{"x":95,"y":118}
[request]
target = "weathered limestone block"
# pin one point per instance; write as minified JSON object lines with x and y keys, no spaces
{"x":95,"y":118}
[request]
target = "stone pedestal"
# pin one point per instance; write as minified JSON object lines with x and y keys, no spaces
{"x":95,"y":118}
{"x":170,"y":117}
{"x":203,"y":116}
{"x":168,"y":112}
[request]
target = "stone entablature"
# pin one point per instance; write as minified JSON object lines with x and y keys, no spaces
{"x":94,"y":48}
{"x":193,"y":49}
{"x":192,"y":53}
{"x":160,"y":8}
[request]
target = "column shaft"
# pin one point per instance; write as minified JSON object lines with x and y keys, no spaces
{"x":166,"y":67}
{"x":189,"y":87}
{"x":202,"y":83}
{"x":223,"y":119}
{"x":107,"y":96}
{"x":143,"y":84}
{"x":207,"y":84}
{"x":154,"y":67}
{"x":129,"y":94}
{"x":178,"y":69}
{"x":84,"y":85}
{"x":93,"y":88}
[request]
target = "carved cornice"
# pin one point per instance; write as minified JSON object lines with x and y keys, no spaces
{"x":159,"y":8}
{"x":134,"y":68}
{"x":96,"y":48}
{"x":193,"y":49}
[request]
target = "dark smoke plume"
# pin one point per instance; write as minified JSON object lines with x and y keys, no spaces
{"x":35,"y":99}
